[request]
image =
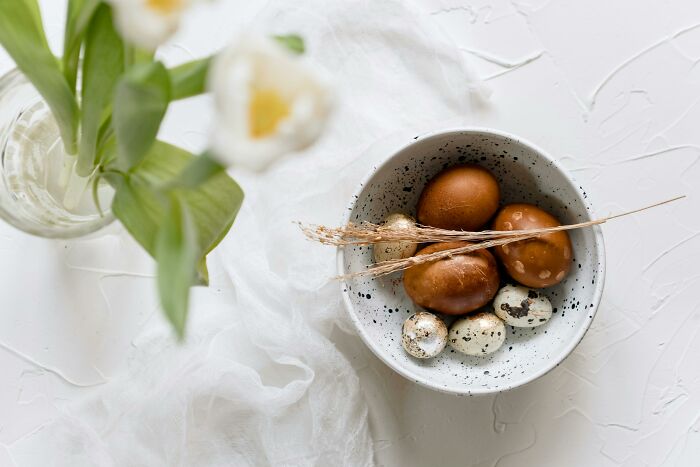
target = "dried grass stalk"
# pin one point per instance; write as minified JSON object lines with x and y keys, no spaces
{"x":394,"y":265}
{"x":367,"y":233}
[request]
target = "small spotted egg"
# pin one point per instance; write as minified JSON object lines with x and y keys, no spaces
{"x":424,"y":335}
{"x":385,"y":251}
{"x":479,"y":334}
{"x":522,"y":307}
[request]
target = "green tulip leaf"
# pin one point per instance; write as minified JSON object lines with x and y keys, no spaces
{"x":292,"y":42}
{"x":22,"y":36}
{"x":102,"y":65}
{"x":189,"y":79}
{"x":78,"y":18}
{"x":199,"y":170}
{"x":140,"y":200}
{"x":141,"y":99}
{"x":176,"y":254}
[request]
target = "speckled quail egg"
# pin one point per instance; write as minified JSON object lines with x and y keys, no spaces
{"x":522,"y":307}
{"x":424,"y":335}
{"x":479,"y":334}
{"x":385,"y":251}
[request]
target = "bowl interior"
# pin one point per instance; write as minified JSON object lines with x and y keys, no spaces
{"x":378,"y":306}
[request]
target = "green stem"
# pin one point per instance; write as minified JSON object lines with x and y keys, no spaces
{"x":70,"y":141}
{"x":77,"y":185}
{"x":70,"y":69}
{"x":95,"y":193}
{"x":143,"y":56}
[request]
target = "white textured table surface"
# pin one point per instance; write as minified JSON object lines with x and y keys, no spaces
{"x":611,"y":88}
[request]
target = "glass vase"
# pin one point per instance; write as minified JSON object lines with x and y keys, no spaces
{"x":40,"y":192}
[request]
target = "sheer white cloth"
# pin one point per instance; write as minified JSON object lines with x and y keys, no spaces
{"x":259,"y":382}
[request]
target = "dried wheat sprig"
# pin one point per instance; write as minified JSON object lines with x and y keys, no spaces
{"x":394,"y":265}
{"x":368,"y":233}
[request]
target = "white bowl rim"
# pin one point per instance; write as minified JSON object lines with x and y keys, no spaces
{"x":597,"y":295}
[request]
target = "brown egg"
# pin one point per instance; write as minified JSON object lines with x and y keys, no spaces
{"x":455,"y":285}
{"x":538,"y":262}
{"x":463,"y":197}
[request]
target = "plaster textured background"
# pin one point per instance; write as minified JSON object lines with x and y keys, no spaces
{"x":611,"y":88}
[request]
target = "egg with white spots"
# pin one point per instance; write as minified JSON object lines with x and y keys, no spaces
{"x":424,"y":335}
{"x":385,"y":251}
{"x":539,"y":262}
{"x":479,"y":334}
{"x":522,"y":307}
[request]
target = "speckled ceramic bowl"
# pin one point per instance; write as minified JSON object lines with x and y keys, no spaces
{"x":379,"y":306}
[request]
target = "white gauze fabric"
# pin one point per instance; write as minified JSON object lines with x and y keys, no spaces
{"x":258,"y":381}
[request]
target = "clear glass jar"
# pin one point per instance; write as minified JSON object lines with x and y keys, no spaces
{"x":40,"y":193}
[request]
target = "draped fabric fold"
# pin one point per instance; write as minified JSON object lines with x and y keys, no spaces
{"x":259,"y":381}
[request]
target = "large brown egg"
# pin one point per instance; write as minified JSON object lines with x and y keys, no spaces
{"x":455,"y":285}
{"x":538,"y":262}
{"x":463,"y":197}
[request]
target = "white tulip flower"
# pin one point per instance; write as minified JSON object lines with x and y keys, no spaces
{"x":148,"y":23}
{"x":269,"y":101}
